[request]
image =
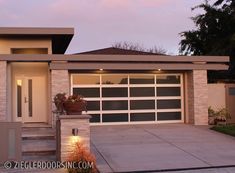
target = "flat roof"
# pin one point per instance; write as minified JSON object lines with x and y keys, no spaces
{"x":61,"y":37}
{"x":123,"y":62}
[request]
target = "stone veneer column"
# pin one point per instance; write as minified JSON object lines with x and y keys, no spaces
{"x":3,"y":90}
{"x":197,"y":97}
{"x":65,"y":138}
{"x":59,"y":83}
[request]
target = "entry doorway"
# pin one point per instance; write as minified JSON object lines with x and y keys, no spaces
{"x":30,"y":93}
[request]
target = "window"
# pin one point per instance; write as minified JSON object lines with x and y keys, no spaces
{"x":87,"y":92}
{"x":162,"y":116}
{"x":141,"y":79}
{"x":168,"y":79}
{"x":232,"y":91}
{"x":169,"y":104}
{"x":168,"y":91}
{"x":114,"y":79}
{"x":114,"y":92}
{"x":86,"y":79}
{"x":142,"y":92}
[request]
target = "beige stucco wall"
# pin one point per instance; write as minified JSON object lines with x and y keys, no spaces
{"x":8,"y":43}
{"x":216,"y":96}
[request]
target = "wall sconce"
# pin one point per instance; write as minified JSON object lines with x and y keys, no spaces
{"x":75,"y":132}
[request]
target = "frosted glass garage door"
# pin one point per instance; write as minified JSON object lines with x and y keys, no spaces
{"x":131,"y":98}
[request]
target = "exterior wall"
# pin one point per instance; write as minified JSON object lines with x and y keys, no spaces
{"x":8,"y":43}
{"x":197,"y":93}
{"x":216,"y":96}
{"x":10,"y":141}
{"x":3,"y":90}
{"x":220,"y":97}
{"x":65,"y":138}
{"x":60,"y":83}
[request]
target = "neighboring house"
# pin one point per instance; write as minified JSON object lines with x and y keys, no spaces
{"x":121,"y":87}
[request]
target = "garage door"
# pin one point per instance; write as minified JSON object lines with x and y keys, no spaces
{"x":131,"y":98}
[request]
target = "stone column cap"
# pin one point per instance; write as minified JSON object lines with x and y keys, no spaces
{"x":83,"y":116}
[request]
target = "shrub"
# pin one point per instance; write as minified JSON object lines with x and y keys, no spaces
{"x":81,"y":154}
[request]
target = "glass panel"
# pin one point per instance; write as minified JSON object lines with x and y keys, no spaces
{"x":141,"y":79}
{"x":114,"y":79}
{"x":86,"y":79}
{"x":161,"y":116}
{"x":232,"y":91}
{"x":168,"y":79}
{"x":30,"y":94}
{"x":87,"y":92}
{"x":142,"y":104}
{"x":95,"y":118}
{"x":93,"y":105}
{"x":114,"y":92}
{"x":168,"y":104}
{"x":168,"y":91}
{"x":29,"y":51}
{"x":115,"y":105}
{"x":115,"y":117}
{"x":142,"y":116}
{"x":19,"y":98}
{"x":142,"y":92}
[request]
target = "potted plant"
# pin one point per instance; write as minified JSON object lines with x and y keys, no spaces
{"x":222,"y":116}
{"x":218,"y":117}
{"x":71,"y":105}
{"x":59,"y":100}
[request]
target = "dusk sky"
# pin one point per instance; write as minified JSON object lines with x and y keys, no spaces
{"x":101,"y":23}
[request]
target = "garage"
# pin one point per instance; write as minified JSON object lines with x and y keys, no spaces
{"x":131,"y":98}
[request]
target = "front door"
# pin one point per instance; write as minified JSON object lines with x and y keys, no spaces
{"x":30,"y":99}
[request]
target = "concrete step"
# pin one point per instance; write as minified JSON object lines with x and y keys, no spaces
{"x":39,"y":158}
{"x":38,"y":133}
{"x":38,"y":143}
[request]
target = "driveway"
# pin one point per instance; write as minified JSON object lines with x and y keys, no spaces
{"x":160,"y":147}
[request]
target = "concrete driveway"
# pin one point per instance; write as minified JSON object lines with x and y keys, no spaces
{"x":130,"y":148}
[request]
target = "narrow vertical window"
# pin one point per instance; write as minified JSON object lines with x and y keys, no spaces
{"x":30,"y":94}
{"x":19,"y":98}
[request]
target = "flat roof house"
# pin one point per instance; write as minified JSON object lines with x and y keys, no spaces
{"x":120,"y":87}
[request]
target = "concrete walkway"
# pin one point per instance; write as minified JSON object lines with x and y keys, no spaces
{"x":161,"y":147}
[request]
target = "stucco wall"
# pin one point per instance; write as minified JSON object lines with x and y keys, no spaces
{"x":8,"y":43}
{"x":216,"y":96}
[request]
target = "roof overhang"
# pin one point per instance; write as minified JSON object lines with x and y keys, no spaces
{"x":61,"y":37}
{"x":124,"y":62}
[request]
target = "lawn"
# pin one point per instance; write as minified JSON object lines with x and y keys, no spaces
{"x":226,"y":129}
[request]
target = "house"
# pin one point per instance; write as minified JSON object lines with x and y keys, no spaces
{"x":121,"y":88}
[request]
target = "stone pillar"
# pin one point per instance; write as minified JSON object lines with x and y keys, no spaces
{"x":197,"y":93}
{"x":59,"y":84}
{"x":65,"y":139}
{"x":3,"y":90}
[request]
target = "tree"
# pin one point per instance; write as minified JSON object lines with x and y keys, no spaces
{"x":138,"y":47}
{"x":214,"y":34}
